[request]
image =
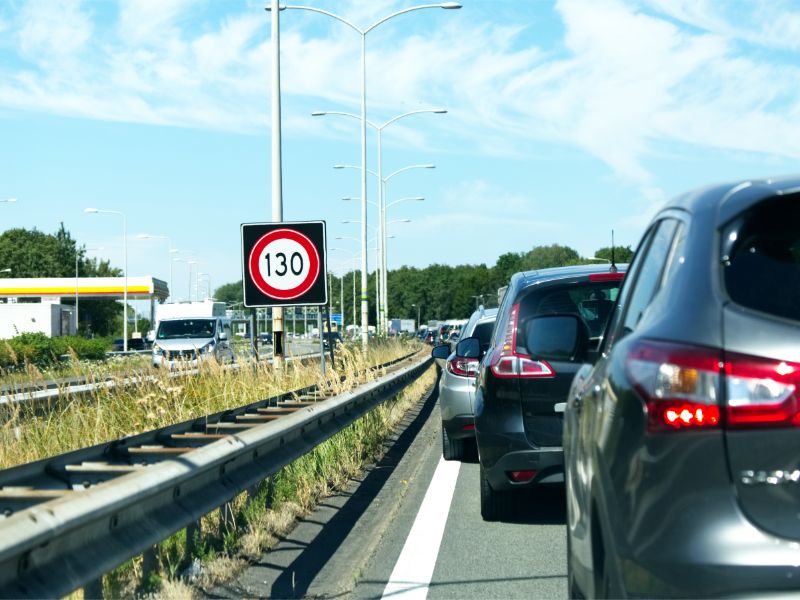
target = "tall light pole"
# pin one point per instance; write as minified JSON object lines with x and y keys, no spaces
{"x":383,"y":300}
{"x":77,"y":256}
{"x":124,"y":268}
{"x":208,"y":289}
{"x":171,"y":250}
{"x":191,"y":263}
{"x":363,"y":33}
{"x":418,"y":323}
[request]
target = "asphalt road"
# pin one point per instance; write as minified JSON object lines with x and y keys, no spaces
{"x":387,"y":537}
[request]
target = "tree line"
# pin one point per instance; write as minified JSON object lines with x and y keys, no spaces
{"x":434,"y":292}
{"x":442,"y":291}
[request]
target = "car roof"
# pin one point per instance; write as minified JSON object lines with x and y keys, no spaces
{"x":540,"y":275}
{"x":729,"y":199}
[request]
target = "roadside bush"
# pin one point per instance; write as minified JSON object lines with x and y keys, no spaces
{"x":40,"y":350}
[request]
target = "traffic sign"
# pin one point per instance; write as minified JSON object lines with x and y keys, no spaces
{"x":284,"y":264}
{"x":337,"y":318}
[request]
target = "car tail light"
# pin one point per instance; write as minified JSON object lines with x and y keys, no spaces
{"x":679,"y":384}
{"x":507,"y":362}
{"x":681,"y":388}
{"x":761,"y":392}
{"x":521,"y":476}
{"x":470,"y":427}
{"x":464,"y":367}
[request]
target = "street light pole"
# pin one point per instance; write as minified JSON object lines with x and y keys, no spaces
{"x":124,"y":268}
{"x":380,"y":289}
{"x":363,"y":33}
{"x":277,"y":173}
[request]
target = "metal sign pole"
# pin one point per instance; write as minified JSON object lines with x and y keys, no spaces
{"x":321,"y":346}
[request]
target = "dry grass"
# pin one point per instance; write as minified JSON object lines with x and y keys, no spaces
{"x":269,"y":512}
{"x":68,"y":424}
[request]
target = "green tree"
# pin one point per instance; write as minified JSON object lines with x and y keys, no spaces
{"x":622,"y":254}
{"x":32,"y":253}
{"x":545,"y":257}
{"x":230,"y":293}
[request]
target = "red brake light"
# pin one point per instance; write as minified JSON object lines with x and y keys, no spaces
{"x":761,"y":392}
{"x":463,"y":367}
{"x":607,"y":276}
{"x":679,"y":384}
{"x":507,"y":362}
{"x":521,"y":476}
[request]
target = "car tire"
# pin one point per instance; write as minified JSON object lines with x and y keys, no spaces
{"x":451,"y":449}
{"x":495,"y":504}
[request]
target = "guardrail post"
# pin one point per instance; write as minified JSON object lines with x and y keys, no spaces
{"x":94,"y":589}
{"x":149,"y":566}
{"x":193,"y":532}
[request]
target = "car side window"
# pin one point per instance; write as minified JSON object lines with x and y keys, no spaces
{"x":649,"y":278}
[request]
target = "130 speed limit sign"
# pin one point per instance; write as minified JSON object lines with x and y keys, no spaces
{"x":284,"y":264}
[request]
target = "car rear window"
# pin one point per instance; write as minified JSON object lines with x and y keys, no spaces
{"x":761,"y":257}
{"x":591,"y":300}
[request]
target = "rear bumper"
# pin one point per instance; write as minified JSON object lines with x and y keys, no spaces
{"x":460,"y":427}
{"x":548,"y":464}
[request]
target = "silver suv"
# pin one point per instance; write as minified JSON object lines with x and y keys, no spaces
{"x":457,"y":385}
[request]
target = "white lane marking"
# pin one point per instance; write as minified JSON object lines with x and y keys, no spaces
{"x":414,"y":568}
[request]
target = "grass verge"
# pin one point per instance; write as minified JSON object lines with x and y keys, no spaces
{"x":227,"y":540}
{"x":29,"y":433}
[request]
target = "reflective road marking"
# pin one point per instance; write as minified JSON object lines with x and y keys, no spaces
{"x":414,"y":568}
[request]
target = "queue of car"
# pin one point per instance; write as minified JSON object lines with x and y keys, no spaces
{"x":663,"y":396}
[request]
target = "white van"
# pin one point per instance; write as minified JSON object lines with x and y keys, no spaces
{"x":187,"y":341}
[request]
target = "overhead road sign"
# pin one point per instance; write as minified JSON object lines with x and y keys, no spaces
{"x":284,"y":264}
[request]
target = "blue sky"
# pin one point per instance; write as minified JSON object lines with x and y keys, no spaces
{"x":566,"y":119}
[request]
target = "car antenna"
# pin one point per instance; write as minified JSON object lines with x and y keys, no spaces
{"x":613,"y":268}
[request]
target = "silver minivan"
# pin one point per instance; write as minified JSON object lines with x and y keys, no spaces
{"x":185,"y":342}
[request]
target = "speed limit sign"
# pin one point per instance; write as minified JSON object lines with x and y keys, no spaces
{"x":284,"y":264}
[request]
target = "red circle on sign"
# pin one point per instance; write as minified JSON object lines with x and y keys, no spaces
{"x":272,"y":291}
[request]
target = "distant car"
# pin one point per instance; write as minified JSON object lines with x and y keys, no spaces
{"x":681,"y":434}
{"x":329,"y":338}
{"x":457,"y":386}
{"x":265,"y":337}
{"x":133,"y":344}
{"x":547,"y":322}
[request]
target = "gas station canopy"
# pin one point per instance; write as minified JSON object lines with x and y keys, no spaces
{"x":87,"y":287}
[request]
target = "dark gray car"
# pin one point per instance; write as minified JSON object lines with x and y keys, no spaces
{"x":682,"y":441}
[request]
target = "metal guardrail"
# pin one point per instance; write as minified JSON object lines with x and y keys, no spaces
{"x":62,"y":544}
{"x":23,"y":393}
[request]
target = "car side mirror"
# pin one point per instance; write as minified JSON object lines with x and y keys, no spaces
{"x":223,"y":336}
{"x":442,"y":351}
{"x":469,"y":348}
{"x":561,"y":337}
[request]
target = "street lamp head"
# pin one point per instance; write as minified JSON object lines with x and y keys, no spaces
{"x":8,"y":270}
{"x":450,"y":5}
{"x":349,"y":199}
{"x":440,"y":111}
{"x":144,"y":236}
{"x":338,"y":166}
{"x":428,"y":166}
{"x":11,"y":200}
{"x":90,"y":210}
{"x":318,"y":113}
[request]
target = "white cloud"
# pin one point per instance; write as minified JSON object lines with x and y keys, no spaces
{"x":627,"y":77}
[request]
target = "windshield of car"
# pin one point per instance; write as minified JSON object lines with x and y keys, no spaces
{"x":762,"y":268}
{"x":186,"y":328}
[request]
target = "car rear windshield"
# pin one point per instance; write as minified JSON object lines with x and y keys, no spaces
{"x":761,"y":257}
{"x":592,"y":300}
